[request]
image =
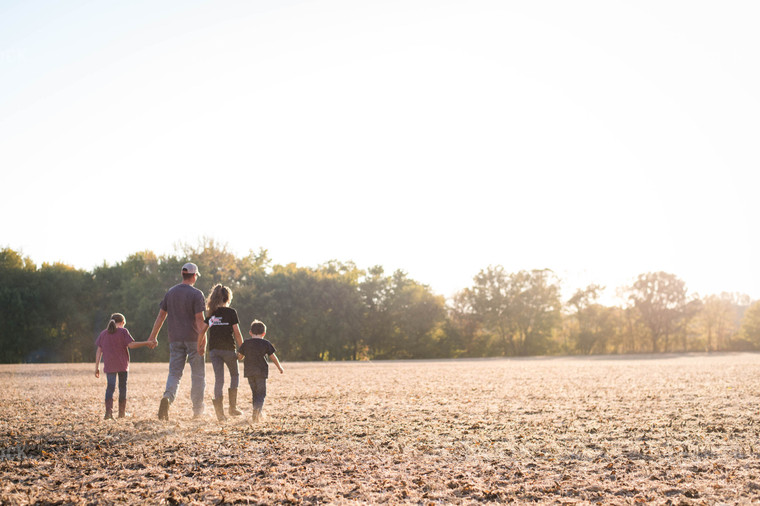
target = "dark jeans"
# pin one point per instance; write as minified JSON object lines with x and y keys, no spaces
{"x":111,"y":385}
{"x":259,"y":391}
{"x":220,"y":358}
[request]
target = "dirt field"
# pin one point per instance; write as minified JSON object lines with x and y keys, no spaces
{"x":668,"y":430}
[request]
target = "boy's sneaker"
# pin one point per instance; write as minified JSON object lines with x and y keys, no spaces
{"x":163,"y":409}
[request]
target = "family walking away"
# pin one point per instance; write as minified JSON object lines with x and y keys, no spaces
{"x":183,"y":307}
{"x":113,"y":345}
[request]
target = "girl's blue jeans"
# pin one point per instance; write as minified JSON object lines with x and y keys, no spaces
{"x":111,"y":385}
{"x":220,"y":358}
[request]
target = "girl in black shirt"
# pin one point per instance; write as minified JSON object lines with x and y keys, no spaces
{"x":224,"y":338}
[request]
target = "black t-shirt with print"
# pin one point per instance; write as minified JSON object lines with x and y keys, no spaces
{"x":220,"y":336}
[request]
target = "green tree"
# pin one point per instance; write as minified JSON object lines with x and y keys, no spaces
{"x":661,"y":303}
{"x":749,"y":333}
{"x":718,"y":321}
{"x":376,"y":322}
{"x":65,"y":295}
{"x":337,"y":307}
{"x":401,"y":317}
{"x":520,"y":310}
{"x":21,"y":330}
{"x":538,"y":310}
{"x":417,"y":315}
{"x":594,"y":323}
{"x":464,"y":328}
{"x":492,"y":299}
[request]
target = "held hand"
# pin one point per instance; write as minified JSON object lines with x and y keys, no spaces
{"x":152,"y":344}
{"x":201,"y":351}
{"x":241,"y":356}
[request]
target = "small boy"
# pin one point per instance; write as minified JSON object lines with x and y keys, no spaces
{"x":256,"y":368}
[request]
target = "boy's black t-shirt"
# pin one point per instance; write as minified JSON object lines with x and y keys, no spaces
{"x":220,"y":335}
{"x":255,"y":349}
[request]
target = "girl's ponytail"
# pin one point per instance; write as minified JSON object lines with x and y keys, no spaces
{"x":219,"y":296}
{"x":115,"y":318}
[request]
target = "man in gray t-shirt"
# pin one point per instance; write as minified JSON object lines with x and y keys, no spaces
{"x":183,"y":307}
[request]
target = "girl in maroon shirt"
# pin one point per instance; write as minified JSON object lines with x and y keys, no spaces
{"x":113,"y":345}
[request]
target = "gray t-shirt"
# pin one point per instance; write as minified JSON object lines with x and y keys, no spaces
{"x":183,"y":302}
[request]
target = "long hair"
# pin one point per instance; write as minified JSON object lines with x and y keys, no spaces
{"x":219,"y":296}
{"x":115,"y":318}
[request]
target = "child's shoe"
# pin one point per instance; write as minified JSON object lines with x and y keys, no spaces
{"x":234,"y":411}
{"x":219,"y":408}
{"x":109,"y":410}
{"x":122,"y":408}
{"x":256,"y":416}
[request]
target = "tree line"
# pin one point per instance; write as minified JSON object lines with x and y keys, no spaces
{"x":337,"y":311}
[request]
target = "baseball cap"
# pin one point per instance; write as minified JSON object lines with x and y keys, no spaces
{"x":190,"y":268}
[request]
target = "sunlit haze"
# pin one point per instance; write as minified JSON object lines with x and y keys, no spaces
{"x":601,"y":140}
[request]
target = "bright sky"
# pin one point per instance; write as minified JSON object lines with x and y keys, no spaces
{"x":598,"y":139}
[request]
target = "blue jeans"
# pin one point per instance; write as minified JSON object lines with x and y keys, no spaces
{"x":180,"y":353}
{"x":111,"y":385}
{"x":259,"y":391}
{"x":220,"y":358}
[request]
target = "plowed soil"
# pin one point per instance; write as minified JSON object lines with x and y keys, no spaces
{"x":671,"y":429}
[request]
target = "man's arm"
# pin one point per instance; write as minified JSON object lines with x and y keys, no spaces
{"x":157,"y":325}
{"x":199,"y":323}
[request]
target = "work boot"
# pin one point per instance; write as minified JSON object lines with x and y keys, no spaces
{"x":109,"y":410}
{"x":219,"y":408}
{"x":256,"y":415}
{"x":234,"y":411}
{"x":122,"y":408}
{"x":163,"y":409}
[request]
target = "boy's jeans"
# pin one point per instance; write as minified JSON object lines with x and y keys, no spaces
{"x":220,"y":358}
{"x":259,"y":391}
{"x":111,"y":385}
{"x":180,"y":353}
